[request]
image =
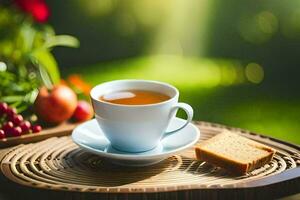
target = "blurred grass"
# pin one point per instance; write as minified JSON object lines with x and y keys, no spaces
{"x":217,"y":90}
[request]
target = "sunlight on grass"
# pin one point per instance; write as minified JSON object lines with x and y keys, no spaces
{"x":276,"y":118}
{"x":185,"y":73}
{"x":244,"y":107}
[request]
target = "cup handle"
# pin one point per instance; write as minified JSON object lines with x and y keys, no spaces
{"x":189,"y":112}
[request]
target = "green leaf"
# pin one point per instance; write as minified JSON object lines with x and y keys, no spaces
{"x":45,"y":77}
{"x":10,"y":99}
{"x":26,"y":37}
{"x":45,"y":59}
{"x":32,"y":96}
{"x":15,"y":104}
{"x":48,"y":30}
{"x":22,"y":108}
{"x":6,"y":48}
{"x":62,"y":40}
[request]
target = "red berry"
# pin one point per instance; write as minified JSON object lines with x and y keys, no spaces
{"x":7,"y":126}
{"x":17,"y":119}
{"x":36,"y":128}
{"x":2,"y":134}
{"x":25,"y":126}
{"x":8,"y":133}
{"x":16,"y":131}
{"x":3,"y":108}
{"x":3,"y":104}
{"x":11,"y":112}
{"x":83,"y":111}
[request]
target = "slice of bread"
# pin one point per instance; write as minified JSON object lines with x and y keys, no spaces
{"x":234,"y":153}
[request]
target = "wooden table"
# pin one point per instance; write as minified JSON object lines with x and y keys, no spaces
{"x":279,"y":185}
{"x":12,"y":191}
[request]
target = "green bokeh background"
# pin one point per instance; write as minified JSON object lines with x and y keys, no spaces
{"x":235,"y":62}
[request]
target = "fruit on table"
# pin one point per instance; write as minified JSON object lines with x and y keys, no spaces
{"x":16,"y":119}
{"x":7,"y":126}
{"x":25,"y":126}
{"x":13,"y":124}
{"x":36,"y":128}
{"x":16,"y":131}
{"x":55,"y":105}
{"x":3,"y":108}
{"x":83,"y":111}
{"x":2,"y":134}
{"x":11,"y":112}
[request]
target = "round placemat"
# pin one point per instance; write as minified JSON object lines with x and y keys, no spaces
{"x":59,"y":164}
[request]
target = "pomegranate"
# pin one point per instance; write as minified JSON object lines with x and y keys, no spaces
{"x":55,"y":105}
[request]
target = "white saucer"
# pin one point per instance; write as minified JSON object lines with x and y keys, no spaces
{"x":89,"y":136}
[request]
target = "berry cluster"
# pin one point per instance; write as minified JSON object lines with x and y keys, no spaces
{"x":13,"y":124}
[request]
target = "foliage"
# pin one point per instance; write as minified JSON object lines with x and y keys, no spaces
{"x":18,"y":91}
{"x":26,"y":50}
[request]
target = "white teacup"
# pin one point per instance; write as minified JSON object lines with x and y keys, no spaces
{"x":137,"y":128}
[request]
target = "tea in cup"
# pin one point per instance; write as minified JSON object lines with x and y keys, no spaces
{"x":134,"y":114}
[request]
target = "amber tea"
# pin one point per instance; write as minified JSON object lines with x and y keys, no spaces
{"x":134,"y":97}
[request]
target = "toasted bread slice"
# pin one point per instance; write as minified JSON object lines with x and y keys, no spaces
{"x":234,"y":153}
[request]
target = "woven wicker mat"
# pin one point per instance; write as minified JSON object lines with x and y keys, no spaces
{"x":59,"y":164}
